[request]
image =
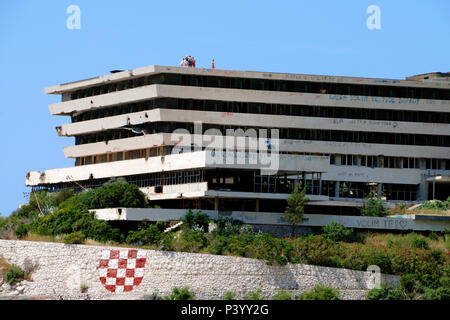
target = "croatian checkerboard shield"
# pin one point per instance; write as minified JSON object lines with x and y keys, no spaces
{"x":122,"y":270}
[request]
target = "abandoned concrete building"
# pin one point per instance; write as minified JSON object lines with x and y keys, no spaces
{"x":341,"y":137}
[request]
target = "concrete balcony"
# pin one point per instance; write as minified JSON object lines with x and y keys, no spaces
{"x":193,"y":160}
{"x":251,"y":120}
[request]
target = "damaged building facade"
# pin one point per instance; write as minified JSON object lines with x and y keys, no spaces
{"x":341,"y":137}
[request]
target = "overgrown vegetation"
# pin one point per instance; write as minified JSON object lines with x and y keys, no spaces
{"x":254,"y":295}
{"x":414,"y":286}
{"x":373,"y":207}
{"x":64,"y":213}
{"x":14,"y":274}
{"x":422,"y":260}
{"x":320,"y":293}
{"x":76,"y":237}
{"x":229,"y":295}
{"x":180,"y":294}
{"x":336,"y":231}
{"x":282,"y":295}
{"x":437,"y":204}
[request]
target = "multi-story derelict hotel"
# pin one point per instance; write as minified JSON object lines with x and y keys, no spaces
{"x":341,"y":137}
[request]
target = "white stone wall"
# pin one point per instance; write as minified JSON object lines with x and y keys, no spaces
{"x":62,"y":269}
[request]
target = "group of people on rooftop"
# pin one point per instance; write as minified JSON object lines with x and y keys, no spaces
{"x":189,"y":62}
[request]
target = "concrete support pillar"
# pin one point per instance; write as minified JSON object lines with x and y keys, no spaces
{"x":380,"y":161}
{"x":257,"y":205}
{"x":422,"y":192}
{"x":379,"y":190}
{"x":337,"y":159}
{"x":303,"y":179}
{"x":216,"y":204}
{"x":336,"y":189}
{"x":400,"y":162}
{"x":320,"y":183}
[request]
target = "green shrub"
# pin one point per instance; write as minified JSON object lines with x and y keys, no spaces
{"x":381,"y":260}
{"x":196,"y":220}
{"x":373,"y":207}
{"x":116,"y":195}
{"x":147,"y":233}
{"x":181,"y":294}
{"x":420,"y":242}
{"x":282,"y":295}
{"x":167,"y":241}
{"x":442,"y":293}
{"x":320,"y":293}
{"x":14,"y":274}
{"x":436,"y":205}
{"x":72,"y":216}
{"x":254,"y":295}
{"x":356,"y":256}
{"x":21,"y":230}
{"x":385,"y":293}
{"x":76,"y":237}
{"x":218,"y":245}
{"x":433,"y":236}
{"x":193,"y":240}
{"x":336,"y":231}
{"x":271,"y":249}
{"x":229,"y":295}
{"x":227,"y":227}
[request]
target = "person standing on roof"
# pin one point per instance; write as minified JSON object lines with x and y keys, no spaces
{"x":190,"y":62}
{"x":212,"y":64}
{"x":193,"y":62}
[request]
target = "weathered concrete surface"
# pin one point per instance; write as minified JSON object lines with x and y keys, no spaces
{"x":62,"y":270}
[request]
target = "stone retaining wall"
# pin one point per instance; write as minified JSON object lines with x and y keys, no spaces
{"x":61,"y":270}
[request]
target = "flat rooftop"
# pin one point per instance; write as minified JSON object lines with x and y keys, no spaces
{"x":431,"y":80}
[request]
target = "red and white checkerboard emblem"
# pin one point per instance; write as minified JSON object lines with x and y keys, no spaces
{"x":122,"y":270}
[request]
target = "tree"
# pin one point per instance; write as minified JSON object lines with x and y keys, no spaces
{"x":373,"y":207}
{"x":293,"y":214}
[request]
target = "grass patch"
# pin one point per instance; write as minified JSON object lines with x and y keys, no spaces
{"x":421,"y":211}
{"x":405,"y":241}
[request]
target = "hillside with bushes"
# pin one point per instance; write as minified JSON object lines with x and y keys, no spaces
{"x":422,"y":261}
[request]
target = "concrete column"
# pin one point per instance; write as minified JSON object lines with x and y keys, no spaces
{"x":422,"y":192}
{"x":303,"y":179}
{"x":401,"y":162}
{"x":320,"y":183}
{"x":257,"y":205}
{"x":216,"y":204}
{"x":379,"y":190}
{"x":336,"y":189}
{"x":380,"y":161}
{"x":357,"y":160}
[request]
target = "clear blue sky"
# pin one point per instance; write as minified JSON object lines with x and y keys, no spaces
{"x":37,"y":50}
